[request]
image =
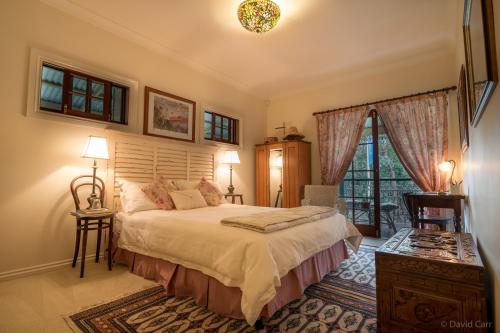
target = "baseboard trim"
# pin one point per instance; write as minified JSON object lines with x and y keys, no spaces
{"x":51,"y":266}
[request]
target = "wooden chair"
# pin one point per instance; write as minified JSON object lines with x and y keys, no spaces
{"x":422,"y":219}
{"x":84,"y":221}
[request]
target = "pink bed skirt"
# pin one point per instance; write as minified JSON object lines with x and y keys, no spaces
{"x":207,"y":291}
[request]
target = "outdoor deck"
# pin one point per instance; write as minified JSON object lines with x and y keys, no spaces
{"x":393,"y":209}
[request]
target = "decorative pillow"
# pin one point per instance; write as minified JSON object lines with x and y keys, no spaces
{"x":170,"y":184}
{"x":183,"y":184}
{"x":158,"y":192}
{"x":188,"y":199}
{"x":133,"y":199}
{"x":213,"y":196}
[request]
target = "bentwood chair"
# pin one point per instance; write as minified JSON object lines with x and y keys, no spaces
{"x":87,"y":220}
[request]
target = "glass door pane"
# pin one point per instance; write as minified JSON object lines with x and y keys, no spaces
{"x":359,"y":187}
{"x":394,"y":182}
{"x":52,"y":88}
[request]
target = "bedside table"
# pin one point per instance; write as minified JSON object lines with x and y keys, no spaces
{"x":86,"y":221}
{"x":233,"y":197}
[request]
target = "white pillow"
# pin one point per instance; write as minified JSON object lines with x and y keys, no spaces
{"x":133,"y":198}
{"x":188,"y":199}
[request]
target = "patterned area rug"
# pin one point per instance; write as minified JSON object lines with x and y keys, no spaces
{"x":344,"y":301}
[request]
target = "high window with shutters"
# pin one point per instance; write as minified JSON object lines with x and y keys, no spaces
{"x":221,"y":128}
{"x":66,"y":91}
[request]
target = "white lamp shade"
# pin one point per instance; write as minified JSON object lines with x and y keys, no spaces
{"x":96,"y":147}
{"x":231,"y":157}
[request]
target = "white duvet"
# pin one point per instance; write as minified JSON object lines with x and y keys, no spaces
{"x":236,"y":257}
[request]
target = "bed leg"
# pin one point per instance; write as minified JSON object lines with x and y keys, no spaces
{"x":259,"y":324}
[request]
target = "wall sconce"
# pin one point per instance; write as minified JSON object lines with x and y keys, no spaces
{"x":447,"y":166}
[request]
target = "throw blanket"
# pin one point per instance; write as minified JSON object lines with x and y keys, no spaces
{"x":280,"y":219}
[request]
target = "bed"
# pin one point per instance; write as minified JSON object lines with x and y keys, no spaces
{"x":235,"y":272}
{"x":251,"y":262}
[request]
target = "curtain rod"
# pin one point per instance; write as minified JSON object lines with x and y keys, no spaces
{"x":388,"y":100}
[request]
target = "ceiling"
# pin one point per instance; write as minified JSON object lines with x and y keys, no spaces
{"x":314,"y":41}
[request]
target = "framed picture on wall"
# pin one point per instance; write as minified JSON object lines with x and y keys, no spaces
{"x":462,"y":110}
{"x":168,"y":116}
{"x":480,"y":56}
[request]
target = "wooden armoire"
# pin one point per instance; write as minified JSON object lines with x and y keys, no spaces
{"x":295,"y":165}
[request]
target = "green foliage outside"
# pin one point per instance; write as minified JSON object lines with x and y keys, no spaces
{"x":394,"y":180}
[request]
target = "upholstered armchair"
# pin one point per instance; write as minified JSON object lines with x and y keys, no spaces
{"x":323,"y":195}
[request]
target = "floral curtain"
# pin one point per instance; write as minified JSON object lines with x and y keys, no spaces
{"x":418,"y":130}
{"x":339,"y":133}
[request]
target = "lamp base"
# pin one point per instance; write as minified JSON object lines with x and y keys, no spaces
{"x":94,"y":202}
{"x":230,"y":189}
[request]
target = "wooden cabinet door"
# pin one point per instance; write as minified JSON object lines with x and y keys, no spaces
{"x":290,"y":175}
{"x":297,"y":172}
{"x":261,"y":176}
{"x":304,"y":169}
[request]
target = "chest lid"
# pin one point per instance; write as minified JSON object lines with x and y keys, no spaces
{"x":437,"y":246}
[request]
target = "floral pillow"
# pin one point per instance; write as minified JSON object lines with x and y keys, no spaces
{"x":158,"y":192}
{"x":168,"y":183}
{"x":213,"y":196}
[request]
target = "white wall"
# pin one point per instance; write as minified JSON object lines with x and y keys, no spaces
{"x":481,"y":164}
{"x":40,"y":157}
{"x":420,"y":74}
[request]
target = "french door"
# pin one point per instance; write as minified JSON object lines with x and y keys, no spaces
{"x":360,"y":187}
{"x":375,"y":182}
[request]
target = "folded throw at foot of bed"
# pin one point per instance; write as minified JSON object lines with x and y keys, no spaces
{"x":279,"y":219}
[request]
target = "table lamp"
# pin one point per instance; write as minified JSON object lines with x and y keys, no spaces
{"x":96,"y":148}
{"x":231,"y":157}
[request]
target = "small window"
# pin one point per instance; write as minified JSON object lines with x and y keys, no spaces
{"x":221,"y":128}
{"x":69,"y":92}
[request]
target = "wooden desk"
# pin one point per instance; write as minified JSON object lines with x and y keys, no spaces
{"x":419,"y":201}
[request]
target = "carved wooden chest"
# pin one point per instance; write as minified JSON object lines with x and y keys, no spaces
{"x":430,"y":281}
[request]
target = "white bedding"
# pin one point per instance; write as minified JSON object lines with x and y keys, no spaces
{"x":236,"y":257}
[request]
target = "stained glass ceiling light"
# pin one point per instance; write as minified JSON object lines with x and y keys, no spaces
{"x":258,"y":15}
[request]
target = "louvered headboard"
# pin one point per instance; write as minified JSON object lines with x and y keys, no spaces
{"x":141,"y":159}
